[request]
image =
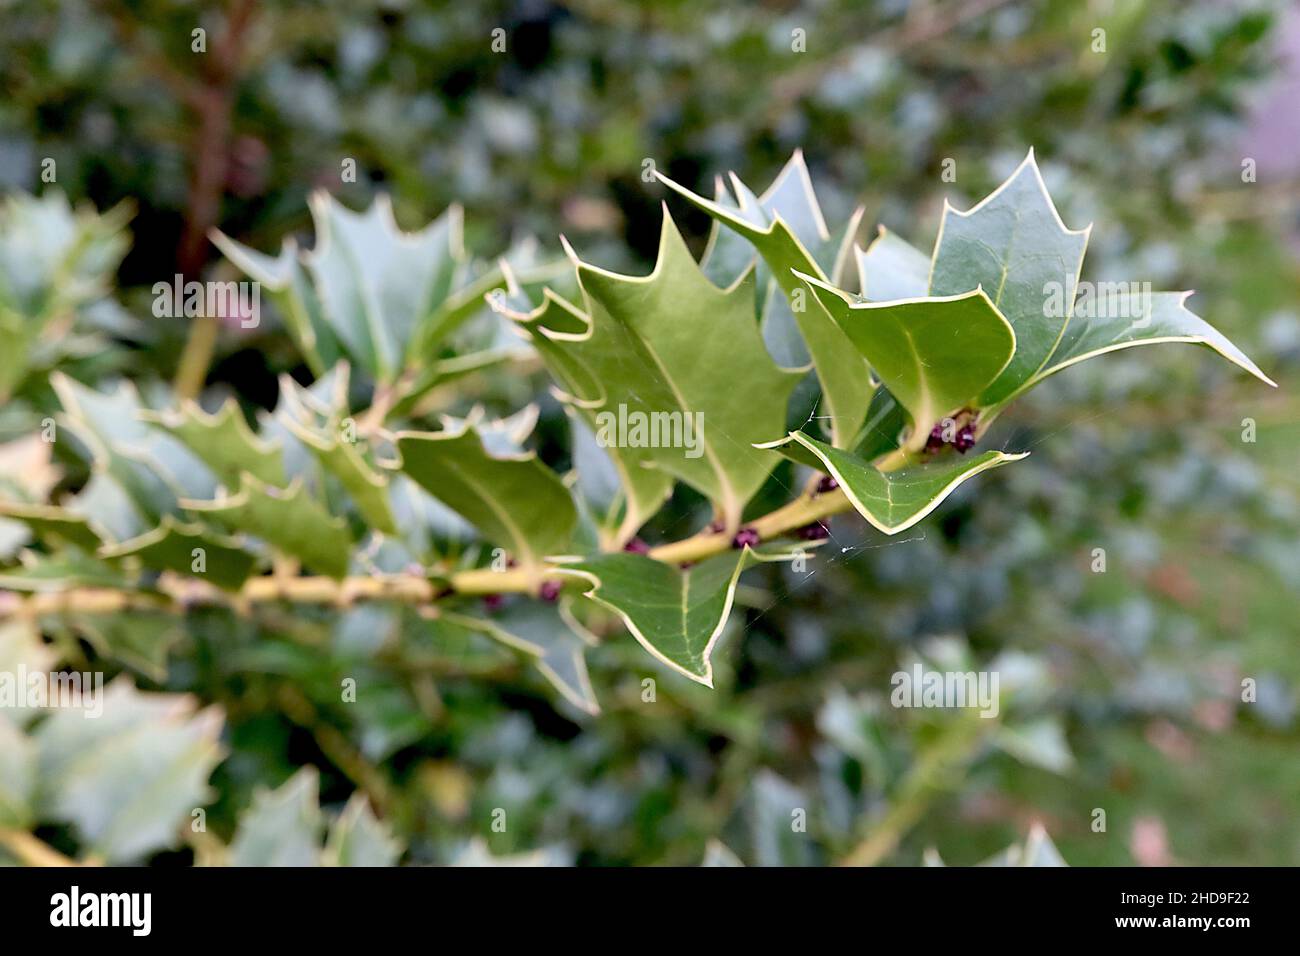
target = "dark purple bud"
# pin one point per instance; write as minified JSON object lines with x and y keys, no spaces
{"x":493,"y":602}
{"x":965,"y":440}
{"x":686,"y":565}
{"x":637,"y":546}
{"x":814,"y":532}
{"x":826,"y":484}
{"x":746,"y":536}
{"x":717,"y":526}
{"x":935,"y":441}
{"x":549,"y":591}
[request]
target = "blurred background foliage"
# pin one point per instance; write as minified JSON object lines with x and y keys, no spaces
{"x":1132,"y":677}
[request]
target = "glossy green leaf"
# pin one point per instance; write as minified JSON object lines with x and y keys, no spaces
{"x":891,"y":501}
{"x":59,"y":572}
{"x":128,"y":779}
{"x":1013,"y":245}
{"x":677,"y":614}
{"x":223,"y":441}
{"x":935,"y":355}
{"x":331,"y":437}
{"x":551,"y":636}
{"x":283,"y":827}
{"x":557,"y":329}
{"x":56,"y":525}
{"x":1143,"y":319}
{"x":891,"y":268}
{"x":184,"y":549}
{"x":785,"y":225}
{"x":287,"y":519}
{"x":656,"y":348}
{"x":513,"y":499}
{"x":358,"y":838}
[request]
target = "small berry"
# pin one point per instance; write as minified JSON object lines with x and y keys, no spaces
{"x":826,"y":484}
{"x":965,"y":440}
{"x":814,"y":532}
{"x":636,"y":546}
{"x":935,"y":441}
{"x":716,"y":526}
{"x":549,"y":591}
{"x":492,"y":602}
{"x":745,"y":536}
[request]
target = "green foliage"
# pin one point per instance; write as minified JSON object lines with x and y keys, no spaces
{"x":320,"y":450}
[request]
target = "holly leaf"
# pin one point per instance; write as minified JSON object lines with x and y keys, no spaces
{"x":558,"y":329}
{"x":287,"y":519}
{"x":129,"y":779}
{"x":935,"y":355}
{"x":358,"y":838}
{"x":890,"y":501}
{"x":330,"y":435}
{"x":1136,"y":318}
{"x":188,"y":549}
{"x":223,"y":441}
{"x":786,"y":227}
{"x":1014,"y":246}
{"x":653,"y":348}
{"x":551,"y":636}
{"x":514,"y":500}
{"x":283,"y":826}
{"x":891,"y":268}
{"x":138,"y":639}
{"x":677,"y":614}
{"x":56,"y":525}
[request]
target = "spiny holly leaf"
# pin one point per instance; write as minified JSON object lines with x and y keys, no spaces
{"x":188,"y":549}
{"x":786,"y":226}
{"x":890,"y":501}
{"x":131,"y":777}
{"x":677,"y":614}
{"x":514,"y":499}
{"x":549,"y":634}
{"x":1014,"y":245}
{"x":55,"y":262}
{"x":139,"y":639}
{"x":223,"y":441}
{"x":56,"y":525}
{"x":289,"y":285}
{"x":151,"y":467}
{"x":933,"y":354}
{"x":59,"y":572}
{"x":283,"y":827}
{"x":104,"y":502}
{"x":287,"y":519}
{"x":358,"y":838}
{"x":891,"y":268}
{"x":330,"y":434}
{"x":1142,"y":319}
{"x":654,"y":351}
{"x":385,"y":298}
{"x":559,"y":332}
